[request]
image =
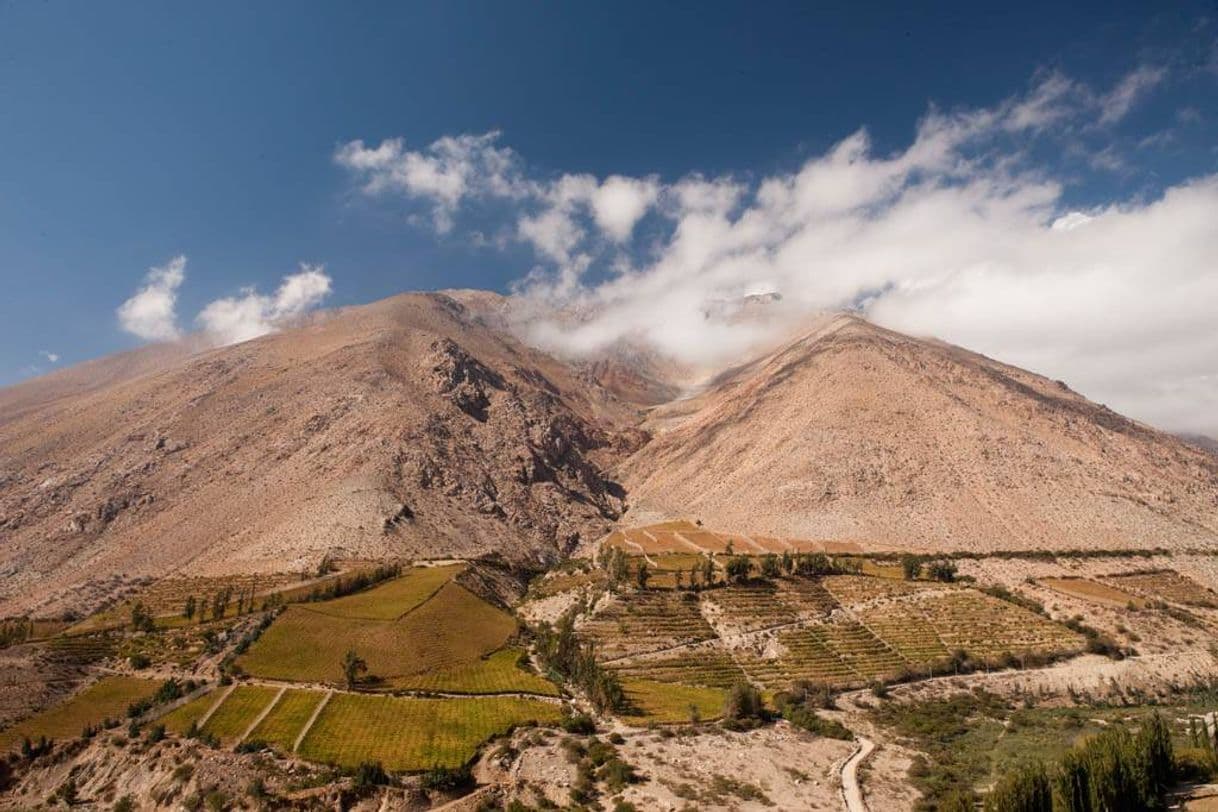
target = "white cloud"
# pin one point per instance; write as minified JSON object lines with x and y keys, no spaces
{"x":451,"y":169}
{"x":150,"y":314}
{"x":240,"y":318}
{"x":51,"y":357}
{"x":961,"y":235}
{"x":1117,"y":103}
{"x":619,"y":203}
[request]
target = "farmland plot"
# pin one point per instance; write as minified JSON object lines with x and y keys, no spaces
{"x":640,"y":622}
{"x":710,"y":667}
{"x":662,"y":702}
{"x":241,"y":708}
{"x":1167,"y":585}
{"x":179,"y":719}
{"x":415,"y":734}
{"x":448,"y":633}
{"x":285,"y":721}
{"x":1092,"y":591}
{"x":107,"y":699}
{"x":988,"y":627}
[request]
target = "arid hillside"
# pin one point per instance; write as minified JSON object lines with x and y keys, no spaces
{"x":402,"y":428}
{"x":856,"y":432}
{"x":419,"y":427}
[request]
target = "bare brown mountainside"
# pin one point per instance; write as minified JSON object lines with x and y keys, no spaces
{"x":418,"y":426}
{"x":856,"y":432}
{"x":407,"y":427}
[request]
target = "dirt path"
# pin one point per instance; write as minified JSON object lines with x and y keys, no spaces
{"x":852,"y":793}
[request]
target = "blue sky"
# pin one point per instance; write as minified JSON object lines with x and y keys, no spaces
{"x":134,"y":133}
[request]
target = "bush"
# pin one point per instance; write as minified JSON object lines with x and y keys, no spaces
{"x":743,"y":702}
{"x":447,"y":779}
{"x":370,"y":774}
{"x":139,"y":661}
{"x":811,"y":721}
{"x":580,"y":724}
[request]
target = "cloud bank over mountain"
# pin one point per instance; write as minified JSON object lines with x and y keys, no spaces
{"x":967,"y":233}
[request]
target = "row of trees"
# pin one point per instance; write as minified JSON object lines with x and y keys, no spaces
{"x":1115,"y":770}
{"x":915,"y":566}
{"x":560,"y":651}
{"x":738,"y":568}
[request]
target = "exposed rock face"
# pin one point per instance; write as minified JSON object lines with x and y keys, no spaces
{"x":402,"y":428}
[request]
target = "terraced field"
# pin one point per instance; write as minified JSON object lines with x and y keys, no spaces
{"x":709,"y":667}
{"x":179,"y":719}
{"x":851,"y":590}
{"x":415,"y":734}
{"x":750,"y":607}
{"x":906,"y":630}
{"x":404,"y":734}
{"x":988,"y":627}
{"x":238,"y":711}
{"x":165,"y":598}
{"x":106,"y":699}
{"x":285,"y":721}
{"x":641,"y":622}
{"x":1093,"y":591}
{"x":421,"y":631}
{"x":1166,"y":585}
{"x":840,"y":631}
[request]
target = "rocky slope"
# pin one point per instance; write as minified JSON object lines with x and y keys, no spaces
{"x":418,"y":426}
{"x":856,"y":432}
{"x":407,"y":427}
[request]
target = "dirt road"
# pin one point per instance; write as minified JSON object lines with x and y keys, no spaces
{"x":852,"y":793}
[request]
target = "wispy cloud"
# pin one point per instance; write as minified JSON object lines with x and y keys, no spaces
{"x":51,"y":357}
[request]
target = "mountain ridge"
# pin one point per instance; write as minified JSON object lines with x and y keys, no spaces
{"x":421,"y":426}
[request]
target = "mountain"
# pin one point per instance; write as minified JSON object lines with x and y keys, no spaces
{"x":854,"y":432}
{"x":408,"y":427}
{"x":419,"y":426}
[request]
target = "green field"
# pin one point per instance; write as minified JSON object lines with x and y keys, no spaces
{"x":497,"y":674}
{"x":285,"y":721}
{"x":107,"y":699}
{"x":415,"y":734}
{"x":178,"y":720}
{"x":241,"y":707}
{"x":450,"y":632}
{"x":391,"y":600}
{"x":663,"y":702}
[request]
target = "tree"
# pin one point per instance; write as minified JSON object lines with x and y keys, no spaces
{"x":738,"y":568}
{"x":708,"y":572}
{"x":218,"y":604}
{"x":911,"y":565}
{"x":353,"y":666}
{"x":695,"y":572}
{"x":642,"y":575}
{"x":188,"y":611}
{"x":141,"y":618}
{"x":743,"y":702}
{"x":788,"y":562}
{"x":1023,"y":790}
{"x":942,"y":570}
{"x":770,"y":568}
{"x":729,"y":550}
{"x":678,"y":577}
